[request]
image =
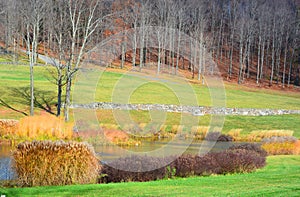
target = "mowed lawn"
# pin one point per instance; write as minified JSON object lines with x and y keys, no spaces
{"x":14,"y":89}
{"x":246,"y":123}
{"x":14,"y":83}
{"x":279,"y":178}
{"x":155,"y":91}
{"x":13,"y":76}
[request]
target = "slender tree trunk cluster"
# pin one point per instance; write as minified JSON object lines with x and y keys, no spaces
{"x":250,"y":40}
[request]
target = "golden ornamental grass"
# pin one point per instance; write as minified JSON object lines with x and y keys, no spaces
{"x":41,"y":163}
{"x":8,"y":127}
{"x":256,"y":136}
{"x":199,"y":132}
{"x":280,"y":148}
{"x":235,"y":134}
{"x":44,"y":127}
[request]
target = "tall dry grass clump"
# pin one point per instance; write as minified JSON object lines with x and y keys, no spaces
{"x":199,"y":132}
{"x":257,"y":136}
{"x":235,"y":134}
{"x":41,"y":163}
{"x":44,"y":127}
{"x":287,"y":145}
{"x":8,"y":127}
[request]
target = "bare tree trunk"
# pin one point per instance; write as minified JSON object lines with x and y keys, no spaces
{"x":232,"y":26}
{"x":244,"y":61}
{"x":273,"y":55}
{"x":278,"y":60}
{"x":249,"y":57}
{"x":31,"y":89}
{"x":123,"y":56}
{"x":219,"y":47}
{"x":203,"y":64}
{"x":134,"y":56}
{"x":159,"y":58}
{"x":241,"y":43}
{"x":191,"y":57}
{"x":200,"y":56}
{"x":285,"y":59}
{"x":291,"y":64}
{"x":68,"y":99}
{"x":241,"y":61}
{"x":80,"y":33}
{"x":258,"y":60}
{"x":59,"y":94}
{"x":262,"y":59}
{"x":178,"y":52}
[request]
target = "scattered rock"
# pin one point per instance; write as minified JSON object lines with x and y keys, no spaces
{"x":195,"y":110}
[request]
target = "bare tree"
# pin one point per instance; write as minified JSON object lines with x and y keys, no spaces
{"x":232,"y":25}
{"x":295,"y":39}
{"x":242,"y":35}
{"x":32,"y":12}
{"x":256,"y":35}
{"x":84,"y":20}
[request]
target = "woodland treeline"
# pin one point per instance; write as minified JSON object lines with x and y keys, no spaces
{"x":254,"y":40}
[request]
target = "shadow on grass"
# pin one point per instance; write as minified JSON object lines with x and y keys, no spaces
{"x":5,"y":104}
{"x":43,"y":100}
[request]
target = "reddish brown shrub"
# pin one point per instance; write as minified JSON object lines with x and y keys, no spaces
{"x":251,"y":147}
{"x":239,"y":161}
{"x":138,"y":169}
{"x":219,"y":137}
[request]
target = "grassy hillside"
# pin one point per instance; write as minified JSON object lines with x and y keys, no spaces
{"x":14,"y":81}
{"x":14,"y":86}
{"x":279,"y":178}
{"x":12,"y":76}
{"x":237,"y":96}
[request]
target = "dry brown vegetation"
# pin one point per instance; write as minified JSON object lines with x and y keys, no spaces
{"x":36,"y":127}
{"x":41,"y":163}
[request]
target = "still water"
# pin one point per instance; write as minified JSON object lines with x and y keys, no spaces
{"x":157,"y":148}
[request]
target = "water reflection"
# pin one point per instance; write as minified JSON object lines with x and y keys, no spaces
{"x":112,"y":152}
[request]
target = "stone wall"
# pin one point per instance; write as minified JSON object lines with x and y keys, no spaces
{"x":197,"y":111}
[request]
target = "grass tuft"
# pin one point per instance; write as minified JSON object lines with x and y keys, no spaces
{"x":41,"y":163}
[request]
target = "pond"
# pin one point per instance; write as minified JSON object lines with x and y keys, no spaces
{"x":110,"y":152}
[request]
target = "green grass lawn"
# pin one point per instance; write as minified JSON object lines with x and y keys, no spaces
{"x":236,"y":96}
{"x":250,"y":123}
{"x":14,"y":89}
{"x":14,"y":83}
{"x":279,"y":178}
{"x":14,"y":77}
{"x":246,"y":123}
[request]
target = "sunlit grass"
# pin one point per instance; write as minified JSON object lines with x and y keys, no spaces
{"x":280,"y":177}
{"x":14,"y":78}
{"x":45,"y":127}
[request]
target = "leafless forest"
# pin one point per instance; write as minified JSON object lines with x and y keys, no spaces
{"x":254,"y":40}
